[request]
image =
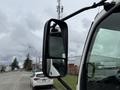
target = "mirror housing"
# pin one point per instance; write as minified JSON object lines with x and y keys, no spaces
{"x":55,"y":48}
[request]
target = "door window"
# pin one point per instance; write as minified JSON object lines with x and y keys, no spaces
{"x":104,"y":56}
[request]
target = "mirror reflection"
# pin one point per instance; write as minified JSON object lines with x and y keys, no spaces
{"x":56,"y":44}
{"x":56,"y":47}
{"x":56,"y":67}
{"x":91,"y":70}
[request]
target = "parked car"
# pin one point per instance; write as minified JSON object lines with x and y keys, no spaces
{"x":38,"y":79}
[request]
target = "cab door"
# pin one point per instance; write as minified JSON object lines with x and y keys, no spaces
{"x":100,"y":66}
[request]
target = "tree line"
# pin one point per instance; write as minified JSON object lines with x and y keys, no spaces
{"x":27,"y":65}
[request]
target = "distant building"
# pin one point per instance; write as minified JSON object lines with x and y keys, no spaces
{"x":73,"y":69}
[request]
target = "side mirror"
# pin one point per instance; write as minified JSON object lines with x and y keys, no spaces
{"x":55,"y":48}
{"x":91,"y":70}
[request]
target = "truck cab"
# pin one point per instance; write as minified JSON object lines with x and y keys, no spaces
{"x":100,"y":62}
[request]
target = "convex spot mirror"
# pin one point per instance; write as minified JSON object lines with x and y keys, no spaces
{"x":91,"y":70}
{"x":55,"y":48}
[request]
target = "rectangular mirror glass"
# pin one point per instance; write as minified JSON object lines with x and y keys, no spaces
{"x":56,"y":47}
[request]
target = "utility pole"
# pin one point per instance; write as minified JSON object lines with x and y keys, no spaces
{"x":59,"y":9}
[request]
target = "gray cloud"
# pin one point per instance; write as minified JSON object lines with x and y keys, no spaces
{"x":76,"y":42}
{"x":19,"y":36}
{"x":33,"y":22}
{"x":4,"y":25}
{"x":22,"y":25}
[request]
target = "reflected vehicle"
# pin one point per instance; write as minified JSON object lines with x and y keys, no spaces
{"x":36,"y":70}
{"x":38,"y":79}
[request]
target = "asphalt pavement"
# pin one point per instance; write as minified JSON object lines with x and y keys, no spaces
{"x":17,"y":81}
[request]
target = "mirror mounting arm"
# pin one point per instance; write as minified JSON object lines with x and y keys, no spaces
{"x":101,"y":3}
{"x":64,"y":83}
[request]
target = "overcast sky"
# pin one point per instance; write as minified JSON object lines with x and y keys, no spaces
{"x":22,"y":23}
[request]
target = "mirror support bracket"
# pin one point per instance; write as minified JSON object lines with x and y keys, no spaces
{"x":64,"y":83}
{"x":101,"y":3}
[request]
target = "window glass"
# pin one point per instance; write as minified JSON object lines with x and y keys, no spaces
{"x":105,"y":56}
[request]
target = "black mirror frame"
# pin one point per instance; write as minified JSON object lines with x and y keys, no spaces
{"x":45,"y":53}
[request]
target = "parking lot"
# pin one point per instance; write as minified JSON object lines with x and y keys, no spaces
{"x":17,"y":81}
